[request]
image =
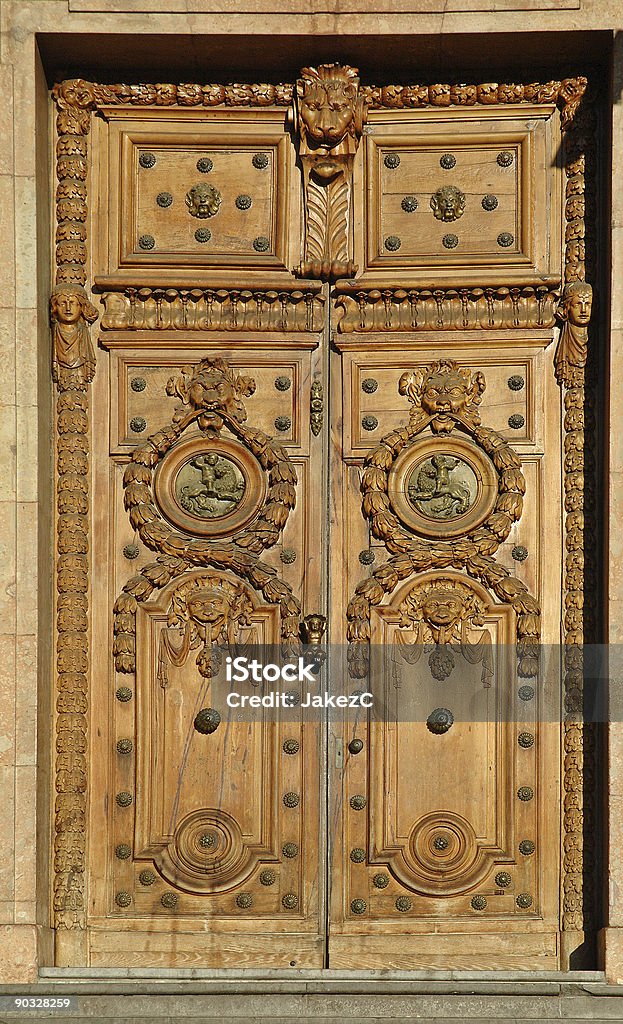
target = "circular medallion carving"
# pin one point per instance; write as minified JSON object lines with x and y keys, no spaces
{"x":131,"y":551}
{"x":505,"y":158}
{"x":519,"y":553}
{"x":505,"y":239}
{"x":124,"y":799}
{"x":443,"y":488}
{"x":392,"y":161}
{"x":392,"y":243}
{"x":516,"y":382}
{"x":164,"y":199}
{"x":526,"y":847}
{"x":525,"y":793}
{"x":209,"y":489}
{"x":290,"y":901}
{"x":358,"y":906}
{"x":381,"y":881}
{"x":447,"y":161}
{"x":261,"y":243}
{"x":290,"y":850}
{"x":357,"y":803}
{"x":123,"y":693}
{"x":450,"y":241}
{"x":268,"y":877}
{"x":291,"y":746}
{"x":403,"y":904}
{"x":147,"y":877}
{"x":124,"y":746}
{"x":244,"y":900}
{"x":291,"y":799}
{"x":287,"y":556}
{"x":169,"y":900}
{"x":147,"y":160}
{"x":283,"y":383}
{"x":357,"y":855}
{"x":516,"y":421}
{"x":489,"y":202}
{"x":367,"y":557}
{"x":524,"y":900}
{"x":203,"y":235}
{"x":503,"y":879}
{"x":123,"y":851}
{"x":138,"y":383}
{"x":355,"y":746}
{"x":260,"y":161}
{"x":123,"y":899}
{"x":478,"y":902}
{"x":147,"y":242}
{"x":204,"y":164}
{"x":243,"y":202}
{"x":369,"y":385}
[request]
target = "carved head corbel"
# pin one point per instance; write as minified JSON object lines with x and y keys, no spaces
{"x":574,"y":312}
{"x":73,"y":357}
{"x":329,"y":114}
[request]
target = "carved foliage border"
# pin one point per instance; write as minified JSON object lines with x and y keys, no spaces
{"x":72,"y":540}
{"x":578,"y":884}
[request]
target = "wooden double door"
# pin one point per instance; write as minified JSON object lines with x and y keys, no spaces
{"x":325,"y":386}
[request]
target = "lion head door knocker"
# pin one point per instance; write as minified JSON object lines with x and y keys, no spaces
{"x":442,"y":492}
{"x":203,"y":200}
{"x":328,"y":116}
{"x":439,"y":613}
{"x":448,"y":203}
{"x":574,"y":312}
{"x":206,"y":614}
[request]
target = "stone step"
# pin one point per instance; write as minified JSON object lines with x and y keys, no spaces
{"x":170,"y":997}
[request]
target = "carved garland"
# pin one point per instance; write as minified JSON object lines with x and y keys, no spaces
{"x":472,"y":552}
{"x":566,"y":93}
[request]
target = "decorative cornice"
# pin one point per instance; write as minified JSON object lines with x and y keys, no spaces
{"x":566,"y":94}
{"x":446,"y":309}
{"x":213,"y":309}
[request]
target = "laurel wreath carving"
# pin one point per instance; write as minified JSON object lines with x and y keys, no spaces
{"x":178,"y":551}
{"x":473,"y":552}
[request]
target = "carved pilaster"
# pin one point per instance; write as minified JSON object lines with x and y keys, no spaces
{"x":73,"y":367}
{"x":580,"y":542}
{"x":328,"y":116}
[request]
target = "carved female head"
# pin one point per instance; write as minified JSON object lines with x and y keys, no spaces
{"x":576,"y":303}
{"x":69,"y":303}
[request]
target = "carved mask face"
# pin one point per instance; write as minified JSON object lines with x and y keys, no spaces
{"x":444,"y":393}
{"x":208,"y":607}
{"x":578,"y":305}
{"x":68,"y":307}
{"x":203,"y":200}
{"x":327,"y":109}
{"x":442,"y":609}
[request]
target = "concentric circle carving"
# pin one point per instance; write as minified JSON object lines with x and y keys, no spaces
{"x":443,"y":854}
{"x":209,"y":489}
{"x":443,"y":488}
{"x":206,"y":852}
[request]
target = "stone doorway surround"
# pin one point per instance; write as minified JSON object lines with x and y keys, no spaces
{"x":43,"y":40}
